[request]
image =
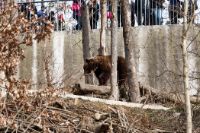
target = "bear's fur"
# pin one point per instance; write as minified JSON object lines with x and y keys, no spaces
{"x":101,"y":66}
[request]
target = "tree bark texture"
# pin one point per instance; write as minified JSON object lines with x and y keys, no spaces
{"x":102,"y":50}
{"x":129,"y":54}
{"x":86,"y":38}
{"x":114,"y":85}
{"x":185,"y":68}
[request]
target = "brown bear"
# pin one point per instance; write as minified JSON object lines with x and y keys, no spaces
{"x":101,"y":66}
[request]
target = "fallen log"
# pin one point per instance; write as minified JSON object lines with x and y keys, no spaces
{"x":82,"y":88}
{"x":113,"y":102}
{"x":171,"y":96}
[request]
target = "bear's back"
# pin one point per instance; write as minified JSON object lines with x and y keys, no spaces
{"x":104,"y":62}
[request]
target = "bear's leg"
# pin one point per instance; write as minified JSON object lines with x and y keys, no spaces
{"x":103,"y":78}
{"x":124,"y":89}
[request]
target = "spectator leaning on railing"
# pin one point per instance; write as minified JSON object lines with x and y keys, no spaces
{"x":70,"y":22}
{"x":156,"y":7}
{"x":140,"y":6}
{"x":77,"y":13}
{"x":94,"y":13}
{"x":61,"y":19}
{"x":175,"y":10}
{"x":191,"y":9}
{"x":132,"y":6}
{"x":51,"y":17}
{"x":109,"y":13}
{"x":41,"y":13}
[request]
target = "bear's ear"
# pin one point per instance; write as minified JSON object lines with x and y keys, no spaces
{"x":90,"y":61}
{"x":87,"y":60}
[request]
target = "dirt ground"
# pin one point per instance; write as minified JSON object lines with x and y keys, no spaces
{"x":58,"y":115}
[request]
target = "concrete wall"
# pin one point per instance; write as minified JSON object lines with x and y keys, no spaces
{"x":157,"y":53}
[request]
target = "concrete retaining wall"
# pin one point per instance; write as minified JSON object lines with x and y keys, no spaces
{"x":157,"y":53}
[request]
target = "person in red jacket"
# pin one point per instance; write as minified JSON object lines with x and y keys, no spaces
{"x":61,"y":19}
{"x":76,"y":8}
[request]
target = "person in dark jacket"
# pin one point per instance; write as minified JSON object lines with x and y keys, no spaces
{"x":156,"y":7}
{"x":94,"y":13}
{"x":140,"y":10}
{"x":175,"y":10}
{"x":191,"y":9}
{"x":119,"y":14}
{"x":132,"y":13}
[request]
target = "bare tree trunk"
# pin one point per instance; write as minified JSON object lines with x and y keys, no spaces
{"x":86,"y":38}
{"x":47,"y":72}
{"x":102,"y":50}
{"x":114,"y":85}
{"x":185,"y":69}
{"x":129,"y":54}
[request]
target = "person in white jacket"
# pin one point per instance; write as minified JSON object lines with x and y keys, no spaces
{"x":70,"y":22}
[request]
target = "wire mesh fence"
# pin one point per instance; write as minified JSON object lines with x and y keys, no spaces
{"x":66,"y":14}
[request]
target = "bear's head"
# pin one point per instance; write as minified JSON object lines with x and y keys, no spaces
{"x":90,"y":65}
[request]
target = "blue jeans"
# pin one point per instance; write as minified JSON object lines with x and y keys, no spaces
{"x":157,"y":16}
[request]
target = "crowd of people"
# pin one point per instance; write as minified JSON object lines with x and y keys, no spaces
{"x":143,"y":12}
{"x":150,"y":12}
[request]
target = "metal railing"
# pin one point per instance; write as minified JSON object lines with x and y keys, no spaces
{"x":66,"y":15}
{"x":162,"y":12}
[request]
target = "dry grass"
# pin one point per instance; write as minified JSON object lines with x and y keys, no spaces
{"x":53,"y":114}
